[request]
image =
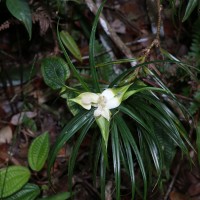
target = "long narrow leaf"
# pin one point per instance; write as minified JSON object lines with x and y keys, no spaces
{"x":96,"y":160}
{"x":116,"y":158}
{"x":174,"y":123}
{"x":190,"y":7}
{"x":75,"y":150}
{"x":129,"y":155}
{"x":70,"y":129}
{"x":126,"y":110}
{"x":129,"y":139}
{"x":129,"y":71}
{"x":92,"y":49}
{"x":154,"y":151}
{"x":102,"y":174}
{"x":145,"y":155}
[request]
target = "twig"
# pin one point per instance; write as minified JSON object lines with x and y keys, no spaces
{"x":156,"y":41}
{"x":86,"y":185}
{"x":172,"y":181}
{"x":110,"y":32}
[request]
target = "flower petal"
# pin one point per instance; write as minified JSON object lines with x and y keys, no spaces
{"x":106,"y":113}
{"x":113,"y":103}
{"x":78,"y":101}
{"x":108,"y":94}
{"x":86,"y":99}
{"x":97,"y":112}
{"x":89,"y":97}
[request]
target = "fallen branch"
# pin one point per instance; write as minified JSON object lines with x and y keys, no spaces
{"x":110,"y":32}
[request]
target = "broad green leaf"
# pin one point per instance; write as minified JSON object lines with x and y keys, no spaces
{"x":70,"y":44}
{"x":28,"y":192}
{"x":190,"y":7}
{"x":55,"y":72}
{"x":38,"y":152}
{"x":60,"y":196}
{"x":71,"y":65}
{"x":13,"y":179}
{"x":20,"y":9}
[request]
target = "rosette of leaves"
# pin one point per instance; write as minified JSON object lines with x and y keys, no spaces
{"x":144,"y":132}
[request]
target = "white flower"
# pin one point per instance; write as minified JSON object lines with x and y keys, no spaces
{"x":108,"y":99}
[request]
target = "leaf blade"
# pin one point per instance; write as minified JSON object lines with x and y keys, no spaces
{"x":12,"y":179}
{"x":28,"y":192}
{"x":92,"y":49}
{"x":71,"y":45}
{"x":116,"y":158}
{"x":38,"y":152}
{"x":20,"y":9}
{"x":190,"y":7}
{"x":55,"y":72}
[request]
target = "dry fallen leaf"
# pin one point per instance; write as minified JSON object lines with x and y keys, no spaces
{"x":5,"y":135}
{"x":178,"y":196}
{"x":118,"y":26}
{"x":17,"y":119}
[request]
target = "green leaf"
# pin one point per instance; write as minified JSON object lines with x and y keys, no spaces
{"x":198,"y":140}
{"x":92,"y":49}
{"x":28,"y":192}
{"x":69,"y":130}
{"x":104,"y":126}
{"x":29,"y":123}
{"x":96,"y":159}
{"x":55,"y":72}
{"x":60,"y":196}
{"x":103,"y":173}
{"x":20,"y":9}
{"x":176,"y":128}
{"x":75,"y":151}
{"x":12,"y":179}
{"x":190,"y":7}
{"x":129,"y":142}
{"x":70,"y":44}
{"x":68,"y":95}
{"x":116,"y":159}
{"x":101,"y":56}
{"x":38,"y":152}
{"x":71,"y":65}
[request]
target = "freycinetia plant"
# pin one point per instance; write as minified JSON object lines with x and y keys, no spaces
{"x":132,"y":125}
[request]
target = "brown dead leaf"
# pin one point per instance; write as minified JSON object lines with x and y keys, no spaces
{"x":17,"y":119}
{"x":5,"y":135}
{"x":194,"y":189}
{"x":178,"y":196}
{"x":109,"y":190}
{"x":118,"y":26}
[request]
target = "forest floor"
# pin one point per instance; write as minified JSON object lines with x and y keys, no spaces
{"x":23,"y":91}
